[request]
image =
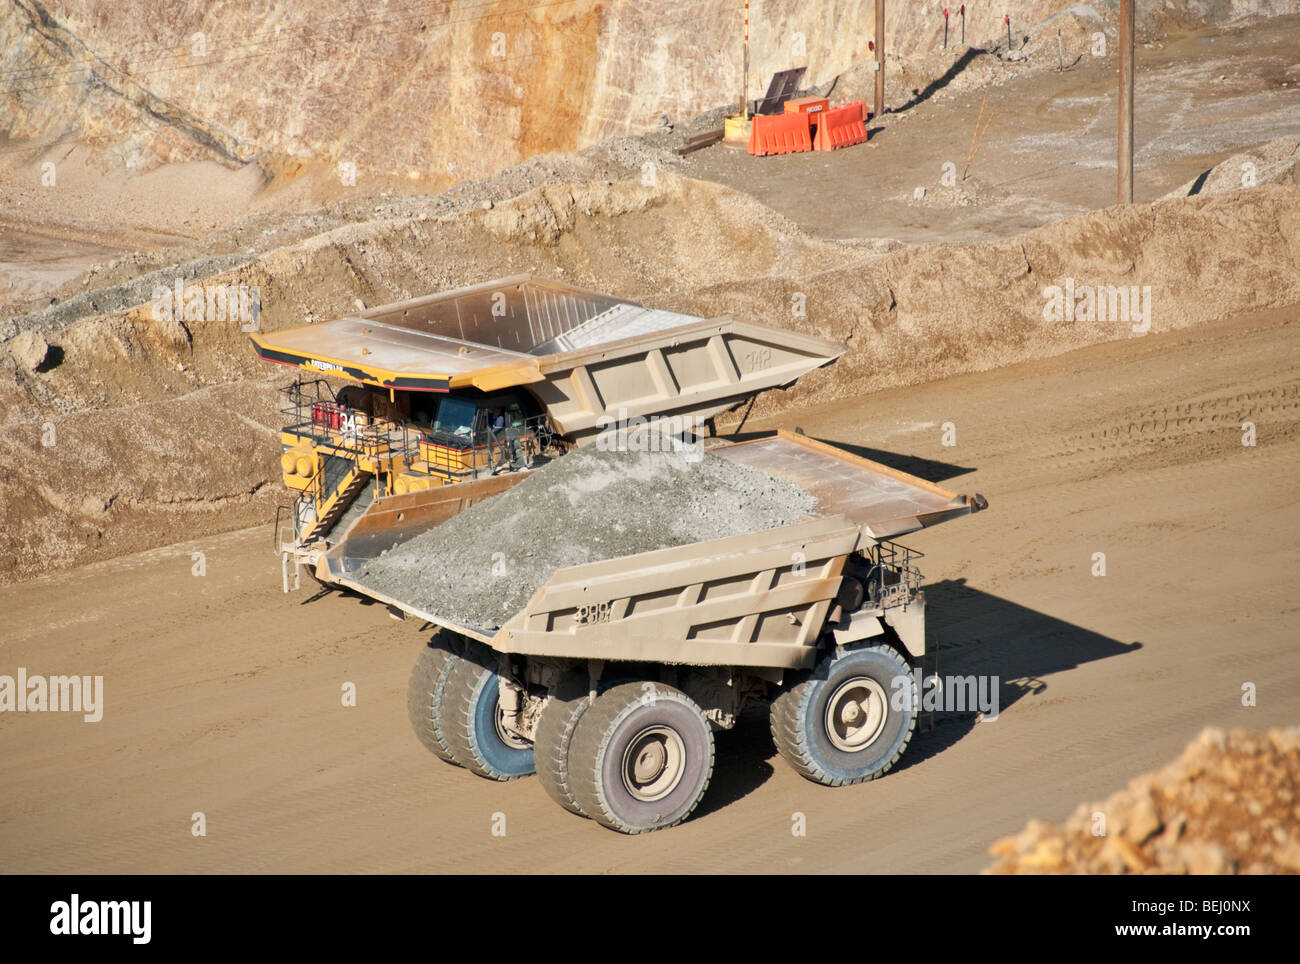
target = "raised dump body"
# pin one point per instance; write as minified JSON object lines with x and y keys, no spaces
{"x":495,"y":378}
{"x":581,"y":354}
{"x":609,"y":680}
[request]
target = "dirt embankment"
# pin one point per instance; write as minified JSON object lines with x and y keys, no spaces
{"x":907,"y":314}
{"x":1230,"y":804}
{"x":926,"y":312}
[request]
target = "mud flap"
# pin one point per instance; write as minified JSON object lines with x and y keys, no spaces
{"x":909,"y":623}
{"x":929,"y":667}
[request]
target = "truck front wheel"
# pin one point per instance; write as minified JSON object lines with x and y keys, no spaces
{"x":850,"y":720}
{"x":641,"y":757}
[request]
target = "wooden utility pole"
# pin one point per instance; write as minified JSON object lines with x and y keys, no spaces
{"x":1125,"y":133}
{"x":744,"y":80}
{"x":880,"y":58}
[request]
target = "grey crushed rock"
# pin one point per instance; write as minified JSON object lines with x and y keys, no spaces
{"x":588,"y":506}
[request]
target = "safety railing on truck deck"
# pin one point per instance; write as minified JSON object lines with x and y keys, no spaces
{"x":304,"y":403}
{"x":317,"y":414}
{"x":487,"y":452}
{"x":892,"y":579}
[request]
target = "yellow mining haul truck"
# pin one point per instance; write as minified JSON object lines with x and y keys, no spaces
{"x":492,"y":379}
{"x":612,"y":678}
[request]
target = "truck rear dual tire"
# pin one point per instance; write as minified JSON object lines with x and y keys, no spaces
{"x":425,"y":696}
{"x":474,"y":725}
{"x":851,"y":719}
{"x":641,"y":758}
{"x":568,"y":703}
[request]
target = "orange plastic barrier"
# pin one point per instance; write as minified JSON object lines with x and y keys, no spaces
{"x":806,"y":105}
{"x":779,"y":134}
{"x":841,"y":126}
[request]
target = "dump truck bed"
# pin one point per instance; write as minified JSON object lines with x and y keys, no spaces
{"x":757,"y":599}
{"x":885,"y":502}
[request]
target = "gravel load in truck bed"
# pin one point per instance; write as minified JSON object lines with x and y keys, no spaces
{"x":480,"y":568}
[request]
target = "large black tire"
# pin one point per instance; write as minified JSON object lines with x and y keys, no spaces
{"x":471,"y":723}
{"x":424,"y":696}
{"x":568,"y":702}
{"x":847,"y":722}
{"x":641,"y":758}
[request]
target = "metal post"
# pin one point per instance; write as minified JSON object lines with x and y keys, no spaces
{"x":880,"y":58}
{"x":744,"y":84}
{"x":1125,"y":161}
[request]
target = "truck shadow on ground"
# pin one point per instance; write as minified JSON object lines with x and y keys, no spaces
{"x":931,"y":470}
{"x":744,"y":760}
{"x":976,"y":634}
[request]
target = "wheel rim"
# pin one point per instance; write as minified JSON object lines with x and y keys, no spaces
{"x":509,"y":738}
{"x":855,"y":714}
{"x":653,"y":763}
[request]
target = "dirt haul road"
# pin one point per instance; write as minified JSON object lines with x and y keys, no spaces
{"x":223,"y":695}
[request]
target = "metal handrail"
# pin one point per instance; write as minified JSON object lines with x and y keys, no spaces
{"x":892,"y":580}
{"x":294,"y":533}
{"x":485,"y":451}
{"x":355,"y":433}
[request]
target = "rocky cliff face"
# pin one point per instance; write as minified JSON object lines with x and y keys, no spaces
{"x":433,"y":93}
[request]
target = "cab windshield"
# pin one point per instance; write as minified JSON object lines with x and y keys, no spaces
{"x":455,"y":416}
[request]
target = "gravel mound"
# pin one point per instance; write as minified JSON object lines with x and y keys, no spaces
{"x":1230,"y":804}
{"x":1276,"y":162}
{"x":480,"y":568}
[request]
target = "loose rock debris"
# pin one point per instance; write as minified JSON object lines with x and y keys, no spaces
{"x":1230,"y":804}
{"x":480,"y":567}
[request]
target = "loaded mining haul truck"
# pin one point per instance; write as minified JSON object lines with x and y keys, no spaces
{"x":611,"y":679}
